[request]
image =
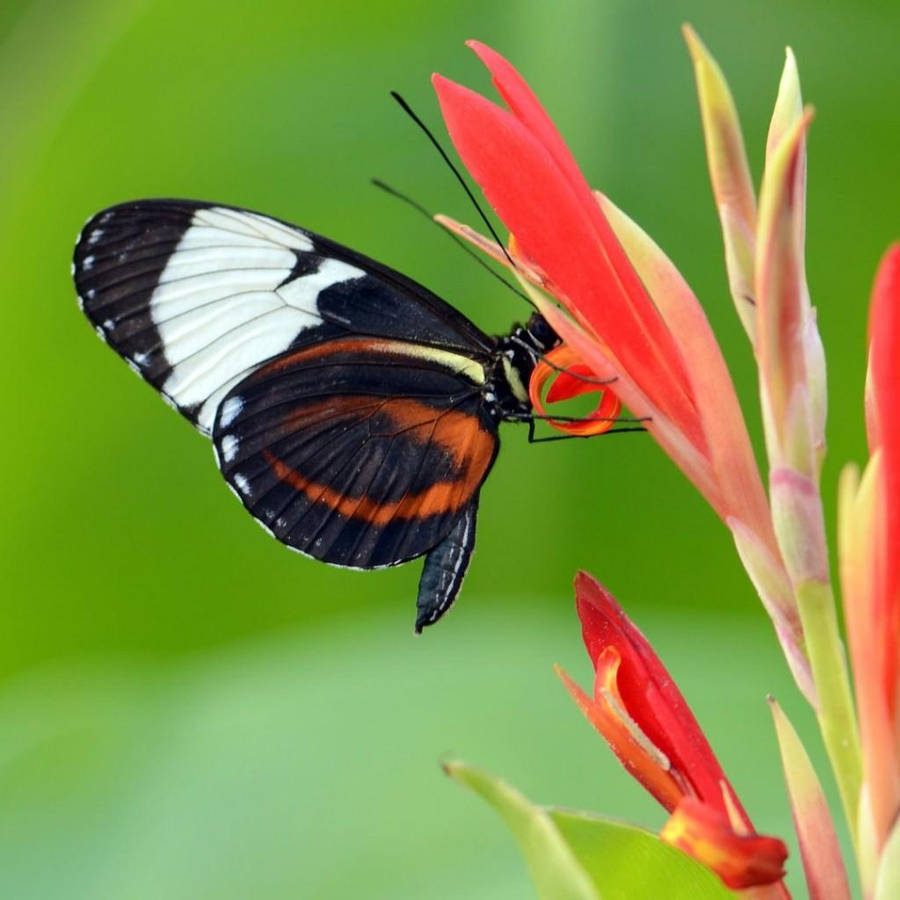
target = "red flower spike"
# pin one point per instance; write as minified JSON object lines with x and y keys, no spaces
{"x":606,"y":712}
{"x":646,"y":721}
{"x":884,"y":356}
{"x":648,"y":691}
{"x":869,"y":552}
{"x":558,"y":223}
{"x":627,"y":314}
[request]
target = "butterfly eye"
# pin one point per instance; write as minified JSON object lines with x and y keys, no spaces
{"x":541,"y":333}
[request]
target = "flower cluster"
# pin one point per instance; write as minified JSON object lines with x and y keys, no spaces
{"x":869,"y":552}
{"x":628,"y":319}
{"x":639,"y":710}
{"x":627,"y":314}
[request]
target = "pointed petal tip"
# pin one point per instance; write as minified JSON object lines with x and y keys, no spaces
{"x":790,"y":74}
{"x":583,"y":579}
{"x":698,"y":51}
{"x":691,"y":38}
{"x":885,"y":294}
{"x":888,"y":270}
{"x":582,"y":700}
{"x":491,"y":59}
{"x":589,"y":591}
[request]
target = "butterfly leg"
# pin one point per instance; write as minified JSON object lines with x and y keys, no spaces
{"x":444,"y":569}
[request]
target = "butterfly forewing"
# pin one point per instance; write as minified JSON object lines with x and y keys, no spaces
{"x":197,"y":296}
{"x":358,"y":452}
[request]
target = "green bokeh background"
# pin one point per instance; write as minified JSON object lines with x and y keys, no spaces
{"x":187,"y":710}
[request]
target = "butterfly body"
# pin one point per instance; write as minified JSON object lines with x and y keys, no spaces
{"x":354,"y":413}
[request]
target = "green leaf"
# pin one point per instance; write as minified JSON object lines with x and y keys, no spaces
{"x":557,"y":872}
{"x":578,"y":856}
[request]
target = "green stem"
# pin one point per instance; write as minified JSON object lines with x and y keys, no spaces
{"x":835,"y":712}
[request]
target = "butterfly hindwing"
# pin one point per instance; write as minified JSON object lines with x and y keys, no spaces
{"x":197,"y":296}
{"x":359,"y":452}
{"x":445,"y":567}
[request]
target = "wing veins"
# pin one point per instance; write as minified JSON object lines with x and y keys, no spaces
{"x":386,"y":398}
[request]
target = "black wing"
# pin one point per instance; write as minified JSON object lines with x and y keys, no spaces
{"x":359,"y":452}
{"x":444,"y":569}
{"x":196,"y":296}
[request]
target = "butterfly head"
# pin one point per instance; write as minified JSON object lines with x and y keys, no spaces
{"x":515,"y":358}
{"x":538,"y":332}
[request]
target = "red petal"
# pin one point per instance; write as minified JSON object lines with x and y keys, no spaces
{"x":741,"y":861}
{"x":648,"y":691}
{"x":884,"y":328}
{"x":560,"y":226}
{"x":632,"y":748}
{"x":526,"y":107}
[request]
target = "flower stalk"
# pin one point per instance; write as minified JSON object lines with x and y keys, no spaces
{"x":835,"y":713}
{"x":791,"y":364}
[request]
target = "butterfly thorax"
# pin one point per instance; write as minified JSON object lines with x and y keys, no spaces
{"x":514,"y":360}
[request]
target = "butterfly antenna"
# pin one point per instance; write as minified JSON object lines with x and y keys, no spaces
{"x":587,"y":379}
{"x":408,"y":110}
{"x":457,"y":240}
{"x":527,"y":417}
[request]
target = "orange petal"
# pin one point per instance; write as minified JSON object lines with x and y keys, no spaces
{"x":637,"y":753}
{"x":741,"y":861}
{"x":566,"y":359}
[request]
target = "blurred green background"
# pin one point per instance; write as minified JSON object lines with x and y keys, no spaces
{"x":187,"y":710}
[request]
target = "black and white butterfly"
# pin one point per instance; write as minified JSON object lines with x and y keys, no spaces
{"x":353,"y":412}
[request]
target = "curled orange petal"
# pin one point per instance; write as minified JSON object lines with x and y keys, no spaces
{"x":572,"y":377}
{"x":576,"y":380}
{"x":607,"y":713}
{"x":741,"y":861}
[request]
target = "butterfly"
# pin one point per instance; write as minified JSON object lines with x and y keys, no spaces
{"x":354,"y":413}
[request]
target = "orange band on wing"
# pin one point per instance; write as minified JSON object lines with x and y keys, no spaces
{"x":326,"y":349}
{"x":460,"y":434}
